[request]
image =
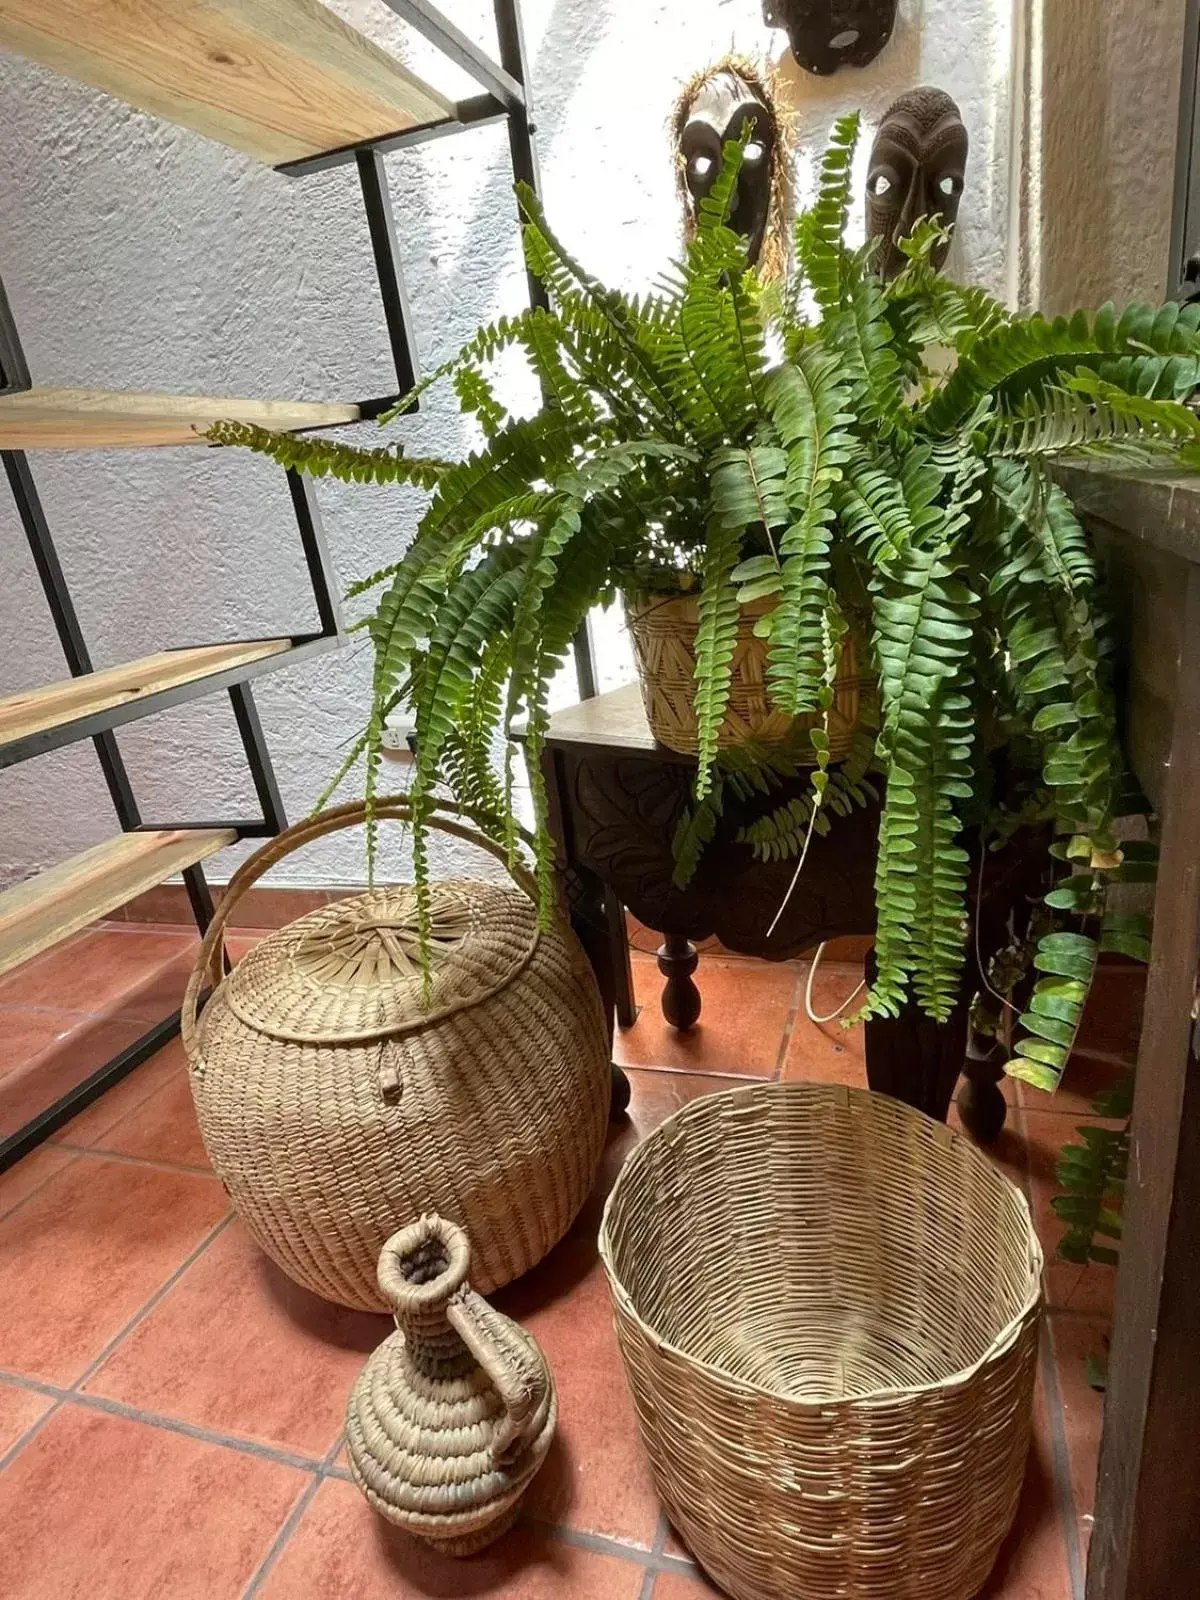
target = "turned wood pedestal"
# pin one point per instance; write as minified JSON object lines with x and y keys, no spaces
{"x":615,"y":798}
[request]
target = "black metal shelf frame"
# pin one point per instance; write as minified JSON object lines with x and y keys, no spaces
{"x":99,"y":726}
{"x":504,"y":98}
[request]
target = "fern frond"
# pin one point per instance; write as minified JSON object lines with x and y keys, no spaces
{"x":718,"y":322}
{"x":477,"y":398}
{"x":1092,"y":1177}
{"x":1089,"y":419}
{"x":550,"y":261}
{"x":862,"y":335}
{"x":808,"y":407}
{"x":1029,"y":355}
{"x":924,"y":617}
{"x":820,"y":230}
{"x":326,"y":458}
{"x":716,"y":639}
{"x":1068,"y":961}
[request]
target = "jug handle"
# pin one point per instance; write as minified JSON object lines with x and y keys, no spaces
{"x":518,"y":1378}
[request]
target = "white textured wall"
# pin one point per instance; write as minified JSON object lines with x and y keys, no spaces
{"x":139,"y":255}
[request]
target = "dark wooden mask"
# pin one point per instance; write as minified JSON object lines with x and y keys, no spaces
{"x":732,"y":100}
{"x":828,"y":34}
{"x":918,"y":166}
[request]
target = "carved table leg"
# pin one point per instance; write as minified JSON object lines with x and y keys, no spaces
{"x":981,"y":1105}
{"x":593,"y":910}
{"x":915,"y":1059}
{"x":677,"y":960}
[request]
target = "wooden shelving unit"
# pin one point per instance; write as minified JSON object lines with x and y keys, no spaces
{"x":291,"y":84}
{"x":279,"y":79}
{"x":38,"y":720}
{"x":62,"y":900}
{"x":97,"y":419}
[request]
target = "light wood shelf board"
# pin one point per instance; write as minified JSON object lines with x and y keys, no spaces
{"x":100,"y":419}
{"x":35,"y":710}
{"x":60,"y":901}
{"x":278,"y":79}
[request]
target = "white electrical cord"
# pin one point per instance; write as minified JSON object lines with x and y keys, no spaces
{"x":808,"y":989}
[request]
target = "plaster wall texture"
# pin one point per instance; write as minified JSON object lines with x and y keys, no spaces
{"x":140,"y":255}
{"x":1103,"y":104}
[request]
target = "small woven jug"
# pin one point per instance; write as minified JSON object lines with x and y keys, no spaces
{"x":454,"y":1412}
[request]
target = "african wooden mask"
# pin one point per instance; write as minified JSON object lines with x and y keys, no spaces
{"x":828,"y":34}
{"x":729,"y":100}
{"x":918,"y":162}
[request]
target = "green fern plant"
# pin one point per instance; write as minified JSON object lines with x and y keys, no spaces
{"x":800,"y":442}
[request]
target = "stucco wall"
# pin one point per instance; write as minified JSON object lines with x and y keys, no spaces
{"x":139,"y":255}
{"x":1102,"y":108}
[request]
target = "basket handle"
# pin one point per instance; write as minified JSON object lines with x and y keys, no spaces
{"x":423,"y":1276}
{"x":521,"y":1384}
{"x":392,"y":808}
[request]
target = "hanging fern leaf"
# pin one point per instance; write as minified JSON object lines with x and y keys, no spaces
{"x":716,"y":638}
{"x":1029,"y":355}
{"x":808,"y":407}
{"x":326,"y":458}
{"x":820,"y":251}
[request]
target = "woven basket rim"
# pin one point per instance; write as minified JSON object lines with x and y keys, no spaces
{"x":448,"y":1004}
{"x":1003,"y":1340}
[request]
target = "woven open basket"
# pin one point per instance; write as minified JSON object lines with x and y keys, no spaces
{"x":663,"y":630}
{"x":339,"y":1102}
{"x":828,"y":1307}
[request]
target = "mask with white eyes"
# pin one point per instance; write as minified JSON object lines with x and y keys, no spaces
{"x":734,"y":100}
{"x":828,"y":34}
{"x":918,"y":164}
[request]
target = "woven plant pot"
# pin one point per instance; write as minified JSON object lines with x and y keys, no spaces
{"x":454,"y":1413}
{"x":338,"y":1104}
{"x":828,"y":1307}
{"x":663,"y":630}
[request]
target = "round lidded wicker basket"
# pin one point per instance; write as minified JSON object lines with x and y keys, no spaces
{"x":663,"y":630}
{"x":338,"y":1103}
{"x":828,"y":1307}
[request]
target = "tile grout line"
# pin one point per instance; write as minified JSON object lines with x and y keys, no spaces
{"x":1062,"y":1460}
{"x":694,"y":1072}
{"x":154,"y":1419}
{"x":602,"y":1544}
{"x":789,"y":1026}
{"x":74,"y":1390}
{"x":1048,"y":1360}
{"x":293,"y":1519}
{"x":657,"y":1546}
{"x":144,"y":1311}
{"x":55,"y":1011}
{"x":281,"y":1540}
{"x":38,"y":1187}
{"x":124,"y":1159}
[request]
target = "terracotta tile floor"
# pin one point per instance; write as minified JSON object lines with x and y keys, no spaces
{"x":171,"y":1405}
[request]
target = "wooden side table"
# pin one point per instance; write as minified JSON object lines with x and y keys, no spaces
{"x":1147,"y":1533}
{"x":615,"y":798}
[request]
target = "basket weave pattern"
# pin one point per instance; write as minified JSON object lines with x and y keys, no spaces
{"x":453,"y":1413}
{"x":337,"y":1105}
{"x":828,"y":1308}
{"x":663,"y":630}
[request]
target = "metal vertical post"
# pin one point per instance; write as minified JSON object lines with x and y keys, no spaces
{"x":258,"y":757}
{"x":381,"y":223}
{"x":66,"y":624}
{"x":14,"y":372}
{"x":316,"y":553}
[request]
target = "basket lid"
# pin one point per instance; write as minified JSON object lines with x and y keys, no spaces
{"x":351,"y":970}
